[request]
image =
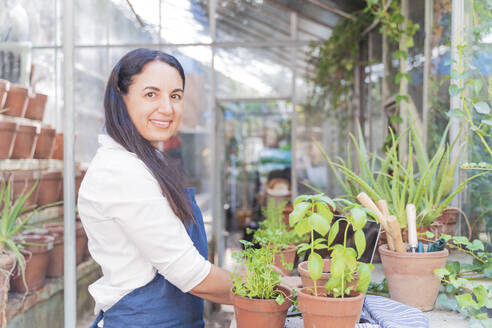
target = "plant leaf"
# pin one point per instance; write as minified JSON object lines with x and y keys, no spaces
{"x":333,"y":232}
{"x":319,"y":224}
{"x":315,"y":266}
{"x":360,"y":242}
{"x":482,"y":107}
{"x":364,"y":277}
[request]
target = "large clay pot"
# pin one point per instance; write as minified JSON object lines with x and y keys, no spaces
{"x":23,"y":181}
{"x":36,"y":106}
{"x":25,"y":142}
{"x":302,"y":268}
{"x":448,"y":220}
{"x":7,"y":262}
{"x":58,"y":148}
{"x":45,"y":143}
{"x":49,"y":187}
{"x":7,"y":138}
{"x":17,"y":99}
{"x":252,"y":312}
{"x":36,"y":263}
{"x":56,"y":262}
{"x":411,"y":278}
{"x":289,"y":256}
{"x":324,"y":311}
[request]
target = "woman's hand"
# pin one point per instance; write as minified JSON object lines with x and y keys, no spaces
{"x":216,"y":287}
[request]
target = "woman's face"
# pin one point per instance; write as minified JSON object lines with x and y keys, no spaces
{"x":155,"y":101}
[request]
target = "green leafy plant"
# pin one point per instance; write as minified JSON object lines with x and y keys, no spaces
{"x":255,"y":276}
{"x":459,"y":292}
{"x":344,"y":264}
{"x":310,"y":214}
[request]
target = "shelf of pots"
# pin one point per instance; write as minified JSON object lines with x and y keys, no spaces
{"x":335,"y":289}
{"x":274,"y":234}
{"x":259,"y":299}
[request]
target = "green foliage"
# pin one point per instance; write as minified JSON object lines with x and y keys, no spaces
{"x":255,"y":276}
{"x":312,"y":213}
{"x":459,"y":291}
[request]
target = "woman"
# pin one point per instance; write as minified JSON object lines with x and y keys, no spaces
{"x":144,"y":228}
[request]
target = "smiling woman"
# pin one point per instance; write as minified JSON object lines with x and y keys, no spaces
{"x":145,"y":229}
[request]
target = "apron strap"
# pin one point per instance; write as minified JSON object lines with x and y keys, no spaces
{"x":100,"y":316}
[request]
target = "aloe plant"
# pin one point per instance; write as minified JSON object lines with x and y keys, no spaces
{"x":312,"y":213}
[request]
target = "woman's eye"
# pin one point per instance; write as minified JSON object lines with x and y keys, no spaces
{"x":150,"y":94}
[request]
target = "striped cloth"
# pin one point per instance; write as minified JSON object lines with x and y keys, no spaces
{"x":387,"y":313}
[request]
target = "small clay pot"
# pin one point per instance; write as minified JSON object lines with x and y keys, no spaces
{"x":4,"y":87}
{"x":49,"y":187}
{"x":411,"y":278}
{"x":252,"y":312}
{"x":17,"y":100}
{"x":58,"y":148}
{"x":36,"y":263}
{"x":7,"y":138}
{"x":56,"y":261}
{"x":7,"y":262}
{"x":36,"y":106}
{"x":325,"y":311}
{"x":289,"y":256}
{"x":45,"y":143}
{"x":25,"y":142}
{"x":23,"y":182}
{"x":302,"y":268}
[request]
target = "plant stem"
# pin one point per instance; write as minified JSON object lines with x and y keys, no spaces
{"x":312,"y":251}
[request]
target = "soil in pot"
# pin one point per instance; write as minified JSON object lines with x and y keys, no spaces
{"x":261,"y":313}
{"x":23,"y":183}
{"x":7,"y":137}
{"x":36,"y":263}
{"x":289,"y":256}
{"x":318,"y":311}
{"x":36,"y":106}
{"x":25,"y":142}
{"x":17,"y":100}
{"x":56,"y":262}
{"x":49,"y":187}
{"x":45,"y":143}
{"x":411,"y":278}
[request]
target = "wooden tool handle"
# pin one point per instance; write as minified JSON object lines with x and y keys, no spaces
{"x":367,"y":202}
{"x":383,"y":207}
{"x":412,"y":225}
{"x":395,"y":232}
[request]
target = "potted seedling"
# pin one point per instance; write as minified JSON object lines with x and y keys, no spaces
{"x":312,"y":213}
{"x":340,"y":301}
{"x":273,"y":233}
{"x":258,"y":297}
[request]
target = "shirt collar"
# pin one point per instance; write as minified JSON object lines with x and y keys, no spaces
{"x":107,"y":142}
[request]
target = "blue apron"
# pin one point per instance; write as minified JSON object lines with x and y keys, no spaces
{"x":159,"y":304}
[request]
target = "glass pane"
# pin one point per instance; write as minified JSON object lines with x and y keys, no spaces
{"x":43,"y":80}
{"x":246,"y":21}
{"x":91,"y":21}
{"x":33,"y":21}
{"x":378,"y":125}
{"x":416,"y":57}
{"x":243,"y":72}
{"x":140,"y":26}
{"x":90,"y":82}
{"x":185,"y":21}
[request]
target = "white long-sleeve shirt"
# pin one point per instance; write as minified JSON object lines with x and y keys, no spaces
{"x":133,"y":232}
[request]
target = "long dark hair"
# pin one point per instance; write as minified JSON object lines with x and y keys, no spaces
{"x":120,"y":127}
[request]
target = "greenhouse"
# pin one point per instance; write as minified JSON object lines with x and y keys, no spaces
{"x":246,"y":163}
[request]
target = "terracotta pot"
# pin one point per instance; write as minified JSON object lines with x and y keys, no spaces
{"x":58,"y":148}
{"x":261,"y":313}
{"x":56,"y":261}
{"x":302,"y":268}
{"x":7,"y":262}
{"x":36,"y":263}
{"x":36,"y":106}
{"x":17,"y":100}
{"x":25,"y":142}
{"x":411,"y":278}
{"x":4,"y":87}
{"x":78,"y":181}
{"x":23,"y":181}
{"x":287,"y":210}
{"x":45,"y":143}
{"x":49,"y":187}
{"x":448,"y":220}
{"x":7,"y":138}
{"x":318,"y":311}
{"x":289,"y":256}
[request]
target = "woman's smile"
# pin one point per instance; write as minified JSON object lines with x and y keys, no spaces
{"x":161,"y":124}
